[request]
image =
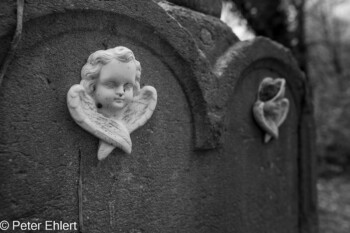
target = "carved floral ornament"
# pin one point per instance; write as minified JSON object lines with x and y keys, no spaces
{"x":109,"y":102}
{"x":271,"y":108}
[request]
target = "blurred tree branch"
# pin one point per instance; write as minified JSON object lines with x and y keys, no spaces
{"x":272,"y":19}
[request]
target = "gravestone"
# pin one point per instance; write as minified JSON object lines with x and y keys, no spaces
{"x":199,"y":164}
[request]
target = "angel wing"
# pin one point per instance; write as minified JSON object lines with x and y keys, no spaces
{"x":141,"y":109}
{"x":271,"y":112}
{"x":83,"y":110}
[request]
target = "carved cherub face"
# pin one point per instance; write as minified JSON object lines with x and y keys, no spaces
{"x":114,"y":87}
{"x":109,"y":102}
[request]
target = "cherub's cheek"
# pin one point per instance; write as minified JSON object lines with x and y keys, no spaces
{"x":108,"y":99}
{"x":99,"y":94}
{"x":130,"y":97}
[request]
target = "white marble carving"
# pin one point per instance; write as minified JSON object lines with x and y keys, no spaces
{"x":109,"y":102}
{"x":271,"y":108}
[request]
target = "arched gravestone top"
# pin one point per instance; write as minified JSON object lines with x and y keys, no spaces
{"x":240,"y":57}
{"x":157,"y":31}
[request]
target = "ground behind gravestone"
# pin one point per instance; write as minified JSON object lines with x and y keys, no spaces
{"x":334,"y":204}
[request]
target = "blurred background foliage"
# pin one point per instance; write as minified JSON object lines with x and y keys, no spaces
{"x":327,"y":30}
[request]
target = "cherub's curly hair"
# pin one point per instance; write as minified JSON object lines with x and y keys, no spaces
{"x":91,"y":70}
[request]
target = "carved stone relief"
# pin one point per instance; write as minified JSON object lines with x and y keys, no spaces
{"x":109,"y":102}
{"x":271,"y":108}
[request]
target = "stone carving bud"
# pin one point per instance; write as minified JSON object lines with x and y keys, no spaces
{"x":271,"y":108}
{"x":109,"y":102}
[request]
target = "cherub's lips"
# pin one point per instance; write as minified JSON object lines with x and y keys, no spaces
{"x":119,"y":100}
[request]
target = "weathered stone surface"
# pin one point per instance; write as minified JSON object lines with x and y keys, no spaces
{"x":165,"y":184}
{"x":210,"y":7}
{"x":212,"y":35}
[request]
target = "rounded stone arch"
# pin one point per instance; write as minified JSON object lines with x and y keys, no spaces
{"x":261,"y":53}
{"x":240,"y":62}
{"x":246,"y":55}
{"x":156,"y":31}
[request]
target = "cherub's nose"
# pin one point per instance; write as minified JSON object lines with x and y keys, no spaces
{"x":120,"y":91}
